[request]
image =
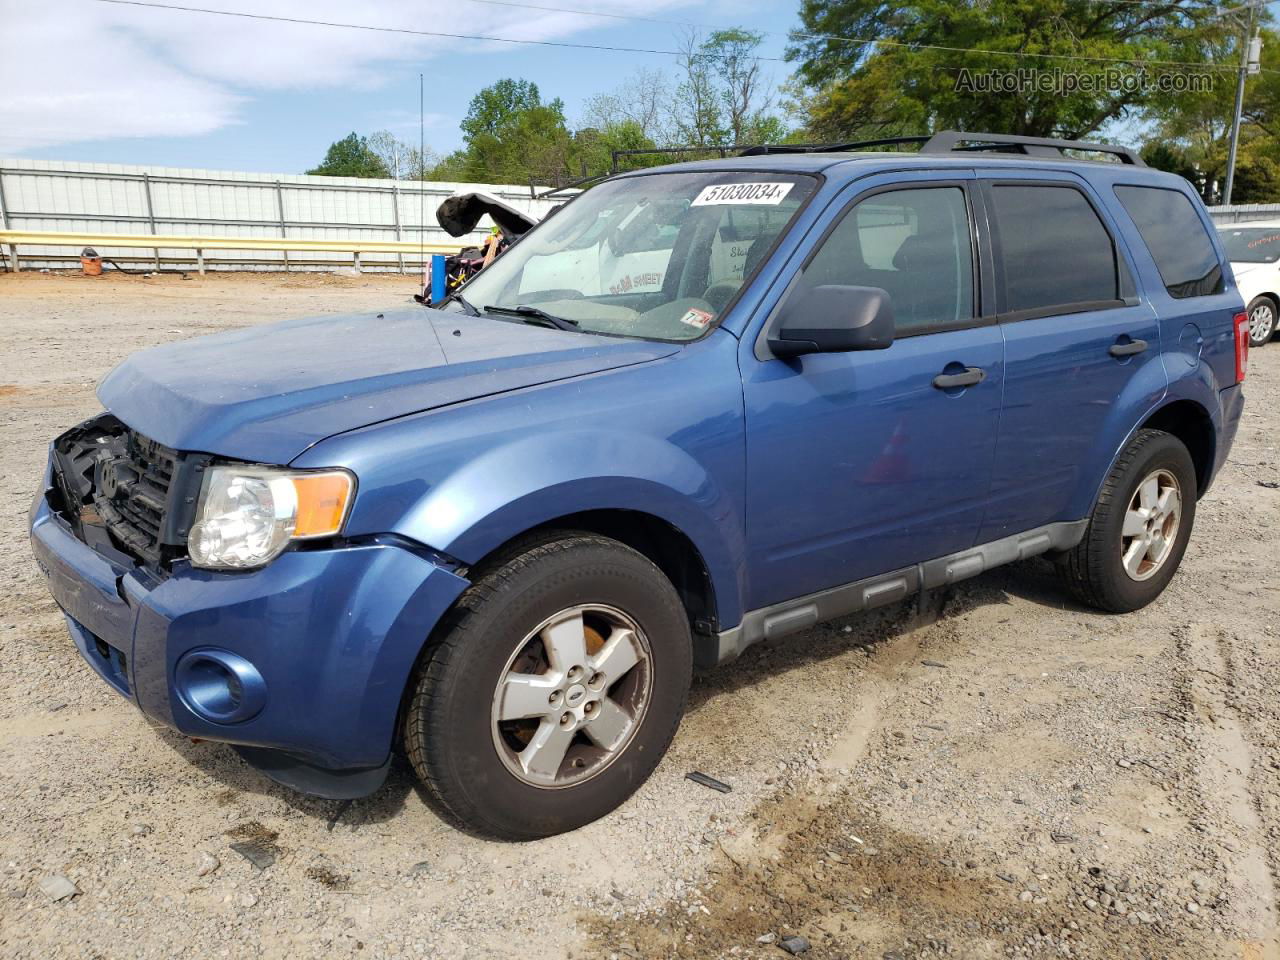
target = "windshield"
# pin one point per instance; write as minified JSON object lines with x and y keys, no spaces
{"x":656,"y":256}
{"x":1251,"y":244}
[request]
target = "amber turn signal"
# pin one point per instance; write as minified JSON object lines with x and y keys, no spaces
{"x":323,"y":499}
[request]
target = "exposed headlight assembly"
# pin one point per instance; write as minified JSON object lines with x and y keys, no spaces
{"x":248,"y":515}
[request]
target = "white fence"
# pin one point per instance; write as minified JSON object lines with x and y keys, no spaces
{"x":1240,"y":212}
{"x":116,"y":199}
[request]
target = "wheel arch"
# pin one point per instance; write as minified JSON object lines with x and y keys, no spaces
{"x":665,"y":545}
{"x":1191,"y":423}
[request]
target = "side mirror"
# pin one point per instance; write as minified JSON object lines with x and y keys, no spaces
{"x":834,"y":319}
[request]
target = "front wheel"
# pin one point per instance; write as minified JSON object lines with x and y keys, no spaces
{"x":554,"y":690}
{"x":1139,"y":528}
{"x":1262,"y":320}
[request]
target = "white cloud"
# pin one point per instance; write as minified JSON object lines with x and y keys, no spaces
{"x":76,"y":71}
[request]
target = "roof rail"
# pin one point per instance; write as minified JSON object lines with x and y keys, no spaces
{"x":771,"y":149}
{"x":959,"y":141}
{"x":948,"y":141}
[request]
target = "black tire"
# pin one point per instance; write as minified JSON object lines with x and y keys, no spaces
{"x":1094,"y":570}
{"x":1265,"y":335}
{"x":448,"y":729}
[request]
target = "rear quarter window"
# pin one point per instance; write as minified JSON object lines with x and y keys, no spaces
{"x":1177,"y":238}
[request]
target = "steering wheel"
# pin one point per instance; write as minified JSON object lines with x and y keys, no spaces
{"x":542,"y":296}
{"x":719,"y":294}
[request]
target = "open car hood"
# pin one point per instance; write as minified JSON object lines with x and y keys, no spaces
{"x":461,"y":212}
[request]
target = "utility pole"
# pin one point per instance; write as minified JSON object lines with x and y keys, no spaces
{"x":1250,"y":56}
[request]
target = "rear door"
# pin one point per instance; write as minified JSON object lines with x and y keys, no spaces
{"x":1189,"y":289}
{"x":1082,"y":348}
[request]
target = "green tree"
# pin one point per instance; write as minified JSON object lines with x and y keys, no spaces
{"x":697,"y":114}
{"x":903,"y":83}
{"x":511,"y":136}
{"x":1196,"y":125}
{"x":1171,"y":158}
{"x":593,"y":148}
{"x":495,"y":109}
{"x":724,"y":97}
{"x":351,"y":157}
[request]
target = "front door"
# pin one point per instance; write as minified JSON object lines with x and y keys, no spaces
{"x":862,"y":463}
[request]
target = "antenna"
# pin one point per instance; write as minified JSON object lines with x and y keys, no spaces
{"x":422,"y":184}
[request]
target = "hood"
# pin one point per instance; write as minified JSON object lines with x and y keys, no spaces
{"x":461,"y":212}
{"x":268,"y":393}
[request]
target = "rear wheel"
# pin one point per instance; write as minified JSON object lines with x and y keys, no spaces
{"x":1262,"y":320}
{"x":1139,"y":528}
{"x":555,"y":689}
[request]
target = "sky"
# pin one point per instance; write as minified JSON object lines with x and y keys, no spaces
{"x":85,"y":80}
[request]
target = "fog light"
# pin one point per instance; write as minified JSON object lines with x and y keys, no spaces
{"x":220,"y":686}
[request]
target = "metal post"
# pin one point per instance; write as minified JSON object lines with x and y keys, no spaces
{"x":280,"y":211}
{"x":4,"y":222}
{"x":395,"y":199}
{"x":1239,"y":106}
{"x":357,"y":262}
{"x":438,"y":278}
{"x":200,"y":260}
{"x":151,"y":214}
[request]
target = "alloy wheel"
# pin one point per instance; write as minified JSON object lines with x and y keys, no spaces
{"x":1151,"y":525}
{"x":1262,"y":323}
{"x":572,"y":695}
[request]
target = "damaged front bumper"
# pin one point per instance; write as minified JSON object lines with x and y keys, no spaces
{"x":329,"y":636}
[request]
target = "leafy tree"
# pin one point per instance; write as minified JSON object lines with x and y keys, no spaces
{"x":904,"y":84}
{"x":593,"y":148}
{"x":1196,"y":125}
{"x":1171,"y":158}
{"x":511,"y":136}
{"x":494,"y":109}
{"x":743,"y":93}
{"x":697,"y":111}
{"x":351,"y":157}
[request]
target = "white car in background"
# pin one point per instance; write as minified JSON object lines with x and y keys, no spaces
{"x":1253,"y":248}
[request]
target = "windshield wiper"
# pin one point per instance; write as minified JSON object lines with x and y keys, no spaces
{"x":534,"y":315}
{"x":467,"y":306}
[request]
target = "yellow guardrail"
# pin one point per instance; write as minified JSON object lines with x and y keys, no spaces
{"x":150,"y":241}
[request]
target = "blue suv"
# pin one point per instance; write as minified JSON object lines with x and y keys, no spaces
{"x":700,"y":406}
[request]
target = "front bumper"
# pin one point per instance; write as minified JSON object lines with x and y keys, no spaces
{"x":332,"y":633}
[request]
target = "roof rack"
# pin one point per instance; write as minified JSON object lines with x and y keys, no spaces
{"x":958,"y":141}
{"x":948,"y":141}
{"x":770,"y":149}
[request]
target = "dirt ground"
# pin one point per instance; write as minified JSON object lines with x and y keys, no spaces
{"x":995,"y":772}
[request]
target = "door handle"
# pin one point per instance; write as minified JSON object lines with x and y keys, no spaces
{"x":1127,"y":349}
{"x":967,"y":378}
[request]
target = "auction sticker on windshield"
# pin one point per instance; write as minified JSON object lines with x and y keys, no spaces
{"x":765,"y":193}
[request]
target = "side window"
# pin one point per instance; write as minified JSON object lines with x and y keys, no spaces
{"x":915,"y":244}
{"x":1054,"y":250}
{"x":1177,"y":239}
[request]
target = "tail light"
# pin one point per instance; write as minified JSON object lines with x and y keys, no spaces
{"x":1242,"y":346}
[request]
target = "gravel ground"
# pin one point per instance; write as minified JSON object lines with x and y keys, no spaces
{"x":995,"y":772}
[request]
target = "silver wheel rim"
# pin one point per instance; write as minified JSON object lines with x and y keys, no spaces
{"x":1151,"y":525}
{"x":572,"y":695}
{"x":1262,"y":322}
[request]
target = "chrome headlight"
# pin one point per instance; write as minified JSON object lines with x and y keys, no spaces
{"x":248,"y":515}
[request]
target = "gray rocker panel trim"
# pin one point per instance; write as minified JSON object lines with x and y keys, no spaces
{"x":792,"y":616}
